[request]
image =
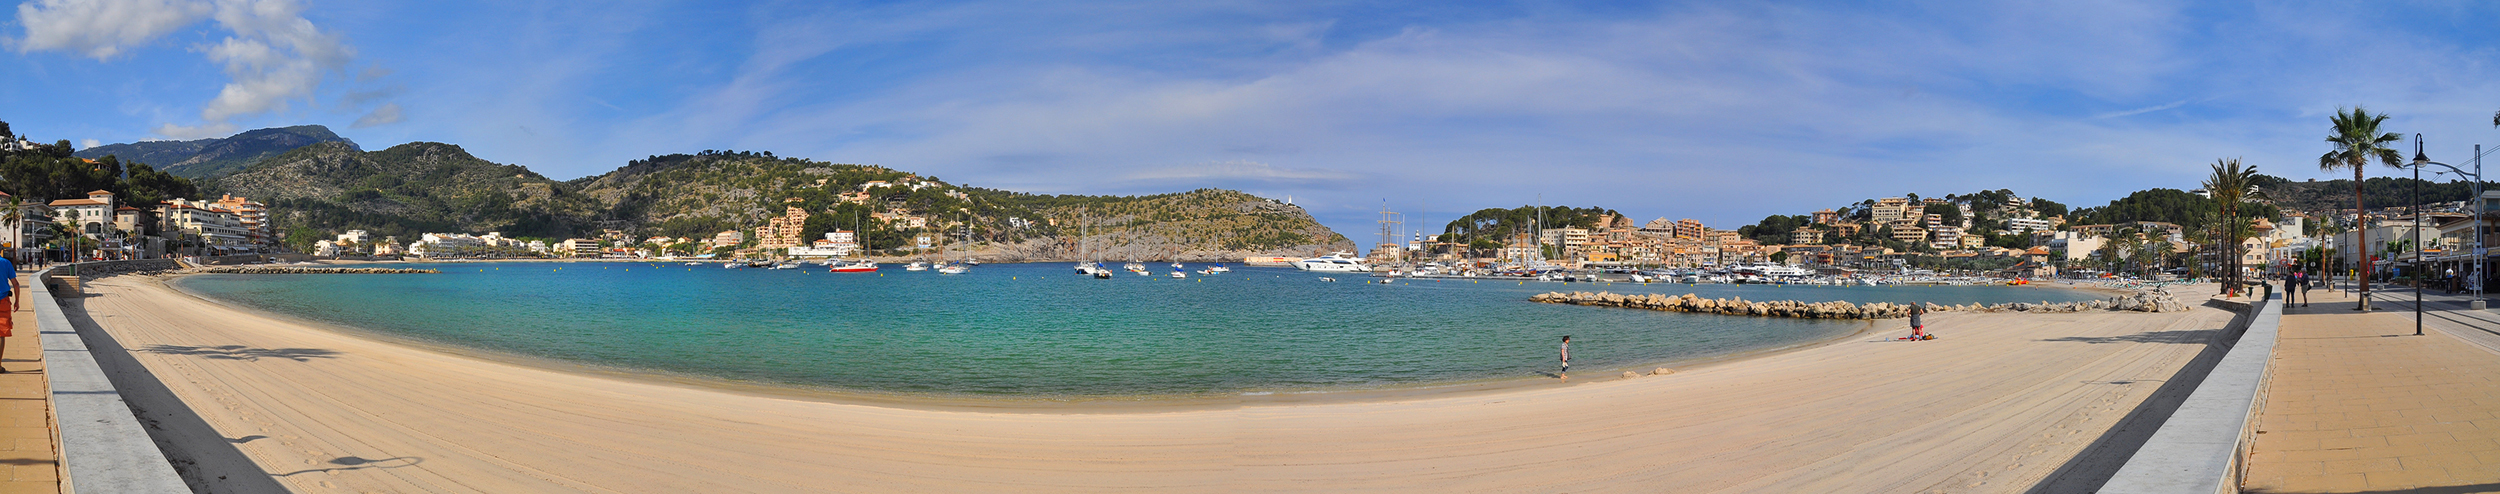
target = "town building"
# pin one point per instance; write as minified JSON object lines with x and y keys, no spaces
{"x":254,"y":217}
{"x":1690,"y":229}
{"x":1891,"y":209}
{"x":782,"y":232}
{"x":96,"y":209}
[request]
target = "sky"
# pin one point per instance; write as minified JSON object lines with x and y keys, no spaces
{"x":1724,"y":112}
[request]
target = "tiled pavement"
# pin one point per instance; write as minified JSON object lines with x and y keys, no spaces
{"x":2359,"y":404}
{"x":26,"y":452}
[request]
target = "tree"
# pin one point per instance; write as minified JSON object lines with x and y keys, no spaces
{"x":2358,"y":140}
{"x":1951,"y":214}
{"x":1780,"y":257}
{"x":2230,"y":184}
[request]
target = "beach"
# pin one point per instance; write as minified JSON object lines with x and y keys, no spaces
{"x":2000,"y":402}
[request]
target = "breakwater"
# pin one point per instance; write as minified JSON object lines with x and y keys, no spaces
{"x":265,"y":269}
{"x":2142,"y":301}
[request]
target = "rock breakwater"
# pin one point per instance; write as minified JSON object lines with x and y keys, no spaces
{"x":2141,"y":301}
{"x":251,"y":269}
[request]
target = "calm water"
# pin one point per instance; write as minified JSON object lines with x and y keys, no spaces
{"x":1040,"y":331}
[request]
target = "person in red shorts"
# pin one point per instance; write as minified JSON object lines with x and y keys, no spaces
{"x":8,"y":297}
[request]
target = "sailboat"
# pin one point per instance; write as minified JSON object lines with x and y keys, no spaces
{"x":861,"y":263}
{"x":945,"y":267}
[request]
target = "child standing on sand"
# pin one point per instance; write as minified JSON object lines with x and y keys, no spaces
{"x":1566,"y":359}
{"x":1918,"y":328}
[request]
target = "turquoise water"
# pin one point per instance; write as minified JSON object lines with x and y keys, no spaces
{"x":1040,"y":331}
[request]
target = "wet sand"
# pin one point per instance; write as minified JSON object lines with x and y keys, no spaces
{"x":1998,"y":403}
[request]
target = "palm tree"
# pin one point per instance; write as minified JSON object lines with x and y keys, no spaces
{"x":2231,"y":185}
{"x":2357,"y":141}
{"x":2327,"y":229}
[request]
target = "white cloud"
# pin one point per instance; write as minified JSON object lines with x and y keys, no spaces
{"x":202,"y":131}
{"x":1238,"y":171}
{"x":101,"y":28}
{"x":387,"y":114}
{"x":272,"y":54}
{"x":89,"y":143}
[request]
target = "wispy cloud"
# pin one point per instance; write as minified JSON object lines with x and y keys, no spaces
{"x":2144,"y":110}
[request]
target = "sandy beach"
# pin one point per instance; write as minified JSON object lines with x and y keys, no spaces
{"x":2000,"y":403}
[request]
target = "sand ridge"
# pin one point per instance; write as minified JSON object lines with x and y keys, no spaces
{"x":1997,"y":404}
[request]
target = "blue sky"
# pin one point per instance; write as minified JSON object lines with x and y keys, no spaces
{"x":1719,"y":111}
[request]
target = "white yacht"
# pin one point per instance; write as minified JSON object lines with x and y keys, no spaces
{"x":1342,"y":262}
{"x":916,"y":266}
{"x":954,"y":268}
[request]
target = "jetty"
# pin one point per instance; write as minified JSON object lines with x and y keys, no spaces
{"x":2142,"y":301}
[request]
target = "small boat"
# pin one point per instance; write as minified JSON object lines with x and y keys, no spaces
{"x":1328,"y":279}
{"x":954,"y":268}
{"x":732,"y":265}
{"x":1176,"y":273}
{"x":916,"y":266}
{"x":972,"y":262}
{"x":694,"y":263}
{"x":786,"y":265}
{"x":1177,"y":265}
{"x":1101,"y":272}
{"x":1134,"y":267}
{"x":1219,"y":268}
{"x":858,"y":266}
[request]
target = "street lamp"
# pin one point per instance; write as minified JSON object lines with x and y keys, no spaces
{"x":2476,"y":177}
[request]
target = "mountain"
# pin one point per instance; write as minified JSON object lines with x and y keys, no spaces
{"x":209,"y":158}
{"x":408,"y":189}
{"x":432,"y":187}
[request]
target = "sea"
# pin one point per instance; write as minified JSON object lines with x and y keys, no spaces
{"x":1042,"y":332}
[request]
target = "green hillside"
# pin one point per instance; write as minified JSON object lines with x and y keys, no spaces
{"x":208,"y":158}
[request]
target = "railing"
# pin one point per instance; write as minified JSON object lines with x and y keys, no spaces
{"x":103,"y":447}
{"x":2199,"y":449}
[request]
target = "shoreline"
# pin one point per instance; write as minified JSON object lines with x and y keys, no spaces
{"x":2000,"y":400}
{"x":1035,"y":404}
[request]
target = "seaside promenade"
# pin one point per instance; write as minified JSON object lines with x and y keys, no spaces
{"x":2359,"y":404}
{"x":26,"y":451}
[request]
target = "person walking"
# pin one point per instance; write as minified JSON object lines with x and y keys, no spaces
{"x":1566,"y":359}
{"x":2291,"y":287}
{"x":9,"y":299}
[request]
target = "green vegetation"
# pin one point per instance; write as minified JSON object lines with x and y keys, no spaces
{"x":2358,"y":141}
{"x":1487,"y":231}
{"x":211,"y":158}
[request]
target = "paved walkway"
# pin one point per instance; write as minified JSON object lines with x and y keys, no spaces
{"x":2359,"y":404}
{"x":28,"y":461}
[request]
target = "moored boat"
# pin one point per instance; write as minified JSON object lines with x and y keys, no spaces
{"x":1343,"y":262}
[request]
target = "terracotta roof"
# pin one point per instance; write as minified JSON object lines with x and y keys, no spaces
{"x":95,"y":192}
{"x":125,"y":208}
{"x":76,"y":202}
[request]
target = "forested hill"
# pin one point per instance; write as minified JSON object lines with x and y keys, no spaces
{"x":409,"y":189}
{"x":2376,"y":192}
{"x":433,"y":187}
{"x":208,"y":158}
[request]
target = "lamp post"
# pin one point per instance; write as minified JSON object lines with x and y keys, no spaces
{"x":2419,"y":160}
{"x":2476,"y":177}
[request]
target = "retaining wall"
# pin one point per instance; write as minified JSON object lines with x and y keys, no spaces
{"x":2199,"y":449}
{"x":103,"y":447}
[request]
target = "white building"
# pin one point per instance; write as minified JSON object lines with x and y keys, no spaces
{"x":96,"y":209}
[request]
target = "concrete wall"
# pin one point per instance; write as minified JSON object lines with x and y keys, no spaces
{"x":2199,"y":449}
{"x":103,"y":446}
